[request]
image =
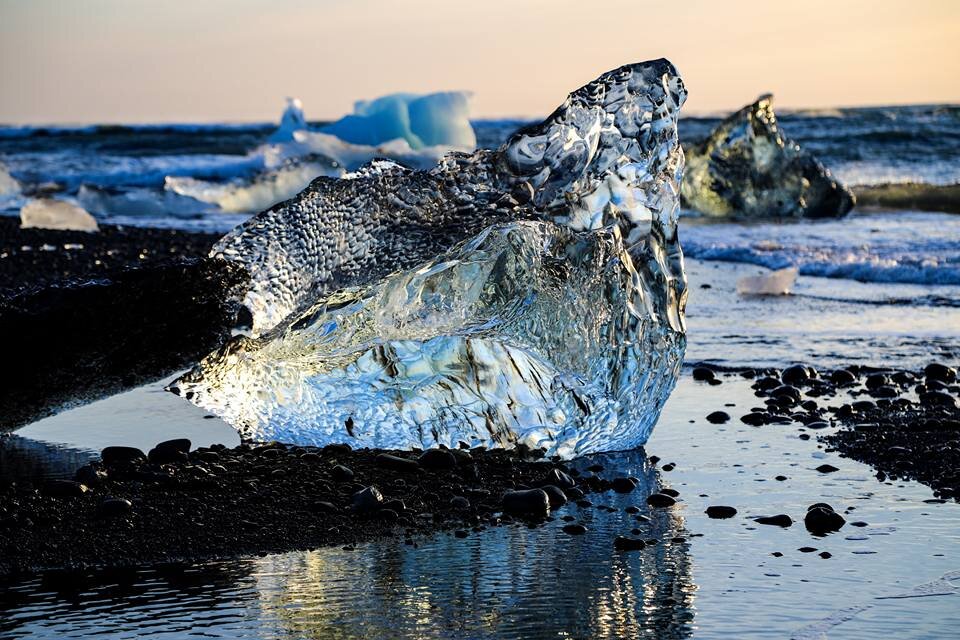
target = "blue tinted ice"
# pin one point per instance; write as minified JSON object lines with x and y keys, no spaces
{"x":531,"y":294}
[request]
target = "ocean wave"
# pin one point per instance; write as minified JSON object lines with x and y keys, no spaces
{"x":894,"y":170}
{"x":70,"y":170}
{"x":911,"y":195}
{"x":259,"y":192}
{"x":914,"y":248}
{"x":137,"y":203}
{"x":31,"y":131}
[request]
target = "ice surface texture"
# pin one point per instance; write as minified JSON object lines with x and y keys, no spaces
{"x":746,"y":167}
{"x":530,"y":294}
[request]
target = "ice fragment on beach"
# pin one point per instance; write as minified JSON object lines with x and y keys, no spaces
{"x":47,"y":213}
{"x":747,"y":167}
{"x":775,"y":283}
{"x":532,"y":294}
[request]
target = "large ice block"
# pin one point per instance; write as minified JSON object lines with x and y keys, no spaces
{"x":747,"y":167}
{"x":530,"y":294}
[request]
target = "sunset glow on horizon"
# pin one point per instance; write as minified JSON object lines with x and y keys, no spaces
{"x":219,"y":61}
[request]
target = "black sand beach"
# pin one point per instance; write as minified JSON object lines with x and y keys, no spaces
{"x":97,"y":313}
{"x":172,"y":504}
{"x":31,"y":259}
{"x":215,"y":502}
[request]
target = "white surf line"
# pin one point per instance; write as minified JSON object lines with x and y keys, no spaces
{"x":942,"y":586}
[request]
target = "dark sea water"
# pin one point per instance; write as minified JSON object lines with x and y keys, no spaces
{"x":861,"y":146}
{"x":876,"y":288}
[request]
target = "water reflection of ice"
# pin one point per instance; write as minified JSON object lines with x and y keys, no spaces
{"x":509,"y":582}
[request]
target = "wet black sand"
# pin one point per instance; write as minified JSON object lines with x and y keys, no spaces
{"x":35,"y":258}
{"x":907,"y":440}
{"x":905,"y":424}
{"x":97,"y":313}
{"x":257,"y":499}
{"x":170,"y":506}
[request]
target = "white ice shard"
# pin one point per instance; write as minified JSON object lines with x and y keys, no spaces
{"x":263,"y":190}
{"x":775,"y":283}
{"x":532,"y":294}
{"x":291,"y":121}
{"x":47,"y":213}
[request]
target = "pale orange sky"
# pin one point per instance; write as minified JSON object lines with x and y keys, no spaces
{"x":81,"y":61}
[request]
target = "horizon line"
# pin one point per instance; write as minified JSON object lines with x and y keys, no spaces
{"x":701,"y":114}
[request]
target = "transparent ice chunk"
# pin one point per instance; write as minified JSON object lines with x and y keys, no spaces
{"x":747,"y":167}
{"x":530,"y":294}
{"x":528,"y":332}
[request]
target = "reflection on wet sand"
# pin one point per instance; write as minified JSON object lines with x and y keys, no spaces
{"x":503,"y":582}
{"x":26,"y":460}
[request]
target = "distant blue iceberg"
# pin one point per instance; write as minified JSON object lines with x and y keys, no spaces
{"x":413,"y":130}
{"x":423,"y":121}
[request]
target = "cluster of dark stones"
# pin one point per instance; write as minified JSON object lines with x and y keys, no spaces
{"x":176,"y":504}
{"x":820,"y":519}
{"x":906,"y":424}
{"x":915,"y":436}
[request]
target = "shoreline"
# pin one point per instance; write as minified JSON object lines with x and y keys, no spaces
{"x":268,"y":498}
{"x":31,"y":259}
{"x":168,"y":505}
{"x":98,"y":313}
{"x":212,"y":503}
